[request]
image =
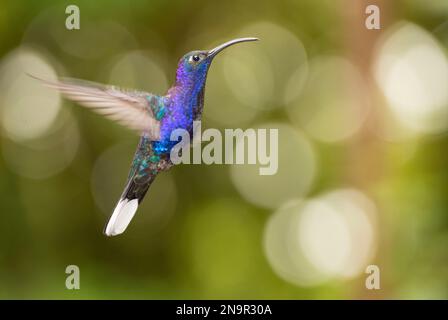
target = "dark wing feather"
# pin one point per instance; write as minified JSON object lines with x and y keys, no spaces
{"x":128,"y":108}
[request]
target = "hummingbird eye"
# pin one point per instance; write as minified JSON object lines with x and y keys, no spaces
{"x":195,"y":59}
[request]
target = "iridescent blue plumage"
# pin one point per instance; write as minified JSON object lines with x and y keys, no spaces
{"x":184,"y":101}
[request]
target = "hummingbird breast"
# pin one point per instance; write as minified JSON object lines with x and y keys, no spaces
{"x":180,"y":115}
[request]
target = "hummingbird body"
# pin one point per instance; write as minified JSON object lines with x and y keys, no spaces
{"x":182,"y":105}
{"x":155,"y":117}
{"x":184,"y":102}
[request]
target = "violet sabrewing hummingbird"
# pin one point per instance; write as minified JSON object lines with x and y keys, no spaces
{"x":154,"y":117}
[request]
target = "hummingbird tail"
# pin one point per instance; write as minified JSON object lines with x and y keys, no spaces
{"x":127,"y":206}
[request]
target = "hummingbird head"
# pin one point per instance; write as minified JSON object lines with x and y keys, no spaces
{"x":193,"y":67}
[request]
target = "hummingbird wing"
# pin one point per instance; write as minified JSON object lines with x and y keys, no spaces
{"x":129,"y":108}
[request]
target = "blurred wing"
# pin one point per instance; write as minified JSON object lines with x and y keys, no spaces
{"x":128,"y":108}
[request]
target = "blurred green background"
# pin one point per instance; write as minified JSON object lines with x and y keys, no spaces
{"x":362,"y":117}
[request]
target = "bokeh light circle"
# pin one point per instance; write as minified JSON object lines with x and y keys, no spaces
{"x":140,"y":70}
{"x":411,"y":68}
{"x":296,"y":170}
{"x":334,"y":104}
{"x":28,"y":109}
{"x":283,"y":51}
{"x":249,"y":77}
{"x":282,"y":247}
{"x":221,"y":104}
{"x":331,"y":236}
{"x":44,"y":157}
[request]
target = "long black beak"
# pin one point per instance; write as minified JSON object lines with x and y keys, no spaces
{"x":221,"y":47}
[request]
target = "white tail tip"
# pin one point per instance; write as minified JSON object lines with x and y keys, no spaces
{"x":121,"y":217}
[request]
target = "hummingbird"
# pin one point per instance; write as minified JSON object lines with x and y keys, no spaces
{"x":153,"y":116}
